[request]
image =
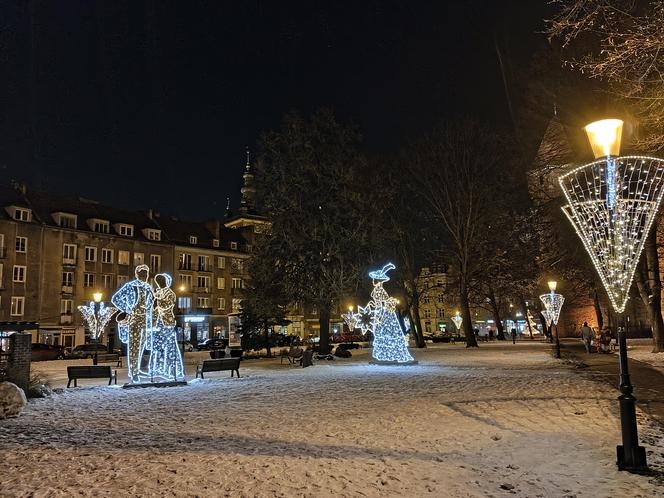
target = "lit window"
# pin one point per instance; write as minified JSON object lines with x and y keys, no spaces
{"x":221,"y":303}
{"x":193,"y":239}
{"x":123,"y":257}
{"x":215,"y":242}
{"x":221,"y":262}
{"x":221,"y":283}
{"x":234,"y":246}
{"x":236,"y":283}
{"x":155,"y":263}
{"x":17,"y":305}
{"x":203,"y":302}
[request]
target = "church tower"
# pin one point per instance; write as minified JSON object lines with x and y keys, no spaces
{"x":248,"y":191}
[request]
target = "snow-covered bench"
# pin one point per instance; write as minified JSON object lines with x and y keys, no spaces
{"x":219,"y":365}
{"x":91,"y":372}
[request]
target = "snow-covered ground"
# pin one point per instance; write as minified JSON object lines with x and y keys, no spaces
{"x":641,"y":350}
{"x":503,"y":420}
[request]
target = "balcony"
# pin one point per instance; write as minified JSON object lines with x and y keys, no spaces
{"x":67,"y":289}
{"x":207,"y":267}
{"x":66,"y":318}
{"x":184,"y":266}
{"x":69,"y":261}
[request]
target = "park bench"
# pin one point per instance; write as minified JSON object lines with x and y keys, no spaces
{"x":109,"y":358}
{"x":291,"y":354}
{"x":219,"y":365}
{"x":91,"y":372}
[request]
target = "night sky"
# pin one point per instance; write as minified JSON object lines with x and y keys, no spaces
{"x":151,"y":104}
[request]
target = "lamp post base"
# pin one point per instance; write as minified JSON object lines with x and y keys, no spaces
{"x":633,"y":461}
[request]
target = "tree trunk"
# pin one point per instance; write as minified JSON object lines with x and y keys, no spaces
{"x":650,"y":289}
{"x":545,"y":328}
{"x":415,"y":324}
{"x":500,"y":331}
{"x":324,"y":323}
{"x":471,"y":340}
{"x":598,"y":310}
{"x":266,"y":335}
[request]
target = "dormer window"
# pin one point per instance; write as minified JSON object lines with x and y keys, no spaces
{"x":215,"y":242}
{"x":20,"y":213}
{"x":234,"y":246}
{"x":152,"y":234}
{"x":99,"y":226}
{"x":65,"y":220}
{"x":124,"y":229}
{"x":193,"y":239}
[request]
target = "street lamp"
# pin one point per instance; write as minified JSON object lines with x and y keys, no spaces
{"x":96,"y":314}
{"x":612,"y":204}
{"x":553,"y":303}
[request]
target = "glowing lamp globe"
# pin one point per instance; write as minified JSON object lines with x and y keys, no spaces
{"x":604,"y":137}
{"x":552,"y":285}
{"x":97,"y":296}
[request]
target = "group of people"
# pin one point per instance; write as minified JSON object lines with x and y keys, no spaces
{"x":599,"y":341}
{"x":146,"y":322}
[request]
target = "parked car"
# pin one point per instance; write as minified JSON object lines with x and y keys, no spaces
{"x":208,"y":344}
{"x":41,"y":352}
{"x":88,"y":350}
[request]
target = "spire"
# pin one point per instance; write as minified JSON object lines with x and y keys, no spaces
{"x":229,"y":213}
{"x":248,"y":190}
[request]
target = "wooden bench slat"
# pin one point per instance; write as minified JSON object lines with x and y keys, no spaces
{"x":76,"y":372}
{"x":218,"y":365}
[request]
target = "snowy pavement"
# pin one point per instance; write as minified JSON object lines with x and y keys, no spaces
{"x":502,"y":420}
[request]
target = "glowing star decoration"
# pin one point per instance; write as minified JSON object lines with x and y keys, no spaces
{"x":553,"y":303}
{"x":457,"y":321}
{"x":379,"y":317}
{"x":96,"y":319}
{"x":614,"y":229}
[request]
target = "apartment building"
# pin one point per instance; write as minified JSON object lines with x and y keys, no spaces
{"x":436,"y":309}
{"x":56,"y":251}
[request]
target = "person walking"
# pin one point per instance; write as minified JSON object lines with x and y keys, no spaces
{"x":513,"y":335}
{"x":587,"y":337}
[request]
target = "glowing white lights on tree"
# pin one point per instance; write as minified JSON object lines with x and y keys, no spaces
{"x":96,"y":319}
{"x":380,"y":317}
{"x":147,"y":322}
{"x":457,"y":321}
{"x":612,"y":204}
{"x":553,"y":303}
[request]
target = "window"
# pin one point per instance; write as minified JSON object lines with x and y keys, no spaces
{"x":18,"y":303}
{"x":215,"y":242}
{"x":203,"y":283}
{"x":66,"y":220}
{"x":126,"y":230}
{"x":152,"y":234}
{"x":236,"y":283}
{"x":221,"y":283}
{"x":236,"y":305}
{"x":186,"y":281}
{"x":249,"y":248}
{"x":193,"y":239}
{"x":66,"y":306}
{"x":440,"y":313}
{"x":184,"y":303}
{"x":2,"y":268}
{"x":19,"y":273}
{"x":90,"y":253}
{"x":221,"y":262}
{"x":425,"y":299}
{"x":155,"y":263}
{"x":203,"y":302}
{"x":139,"y":258}
{"x":440,"y":298}
{"x":107,"y":281}
{"x":21,"y":214}
{"x":204,"y":263}
{"x":427,"y":327}
{"x":123,"y":257}
{"x":122,"y":279}
{"x":221,"y":303}
{"x":88,"y":279}
{"x":427,"y":313}
{"x":21,"y":244}
{"x":234,"y":246}
{"x":69,"y":253}
{"x":237,"y":264}
{"x":67,"y":279}
{"x":185,"y":261}
{"x":107,"y":255}
{"x":100,"y":226}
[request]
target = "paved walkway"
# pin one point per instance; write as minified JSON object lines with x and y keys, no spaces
{"x":648,"y":382}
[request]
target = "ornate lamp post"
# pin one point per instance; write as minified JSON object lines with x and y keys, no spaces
{"x":553,"y":303}
{"x":612,"y":203}
{"x":96,"y":315}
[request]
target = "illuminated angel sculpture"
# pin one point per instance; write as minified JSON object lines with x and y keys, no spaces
{"x":165,"y":358}
{"x":379,"y":316}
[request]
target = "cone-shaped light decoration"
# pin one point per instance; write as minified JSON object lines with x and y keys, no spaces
{"x":553,"y":303}
{"x":612,"y":204}
{"x":457,"y":320}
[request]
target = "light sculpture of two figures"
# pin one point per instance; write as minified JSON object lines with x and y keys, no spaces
{"x":146,"y":322}
{"x":380,"y":318}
